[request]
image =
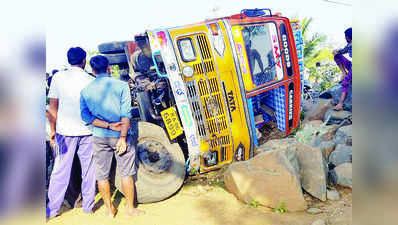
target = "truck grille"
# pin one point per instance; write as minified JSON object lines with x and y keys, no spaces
{"x":196,"y":108}
{"x":207,"y":103}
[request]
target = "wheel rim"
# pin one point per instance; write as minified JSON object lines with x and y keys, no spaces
{"x":154,"y":156}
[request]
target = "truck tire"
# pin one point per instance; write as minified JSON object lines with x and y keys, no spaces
{"x":112,"y":47}
{"x":117,"y":59}
{"x":160,"y":165}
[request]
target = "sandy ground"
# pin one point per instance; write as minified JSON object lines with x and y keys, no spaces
{"x":210,"y":204}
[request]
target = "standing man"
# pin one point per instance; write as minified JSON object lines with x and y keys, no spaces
{"x":106,"y":104}
{"x":69,"y":133}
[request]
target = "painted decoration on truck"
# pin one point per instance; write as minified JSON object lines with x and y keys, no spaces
{"x":286,"y":50}
{"x":242,"y":58}
{"x":298,"y":38}
{"x":276,"y":50}
{"x":161,"y":42}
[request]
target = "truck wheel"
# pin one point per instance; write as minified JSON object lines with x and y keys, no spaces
{"x":160,"y":165}
{"x":112,"y":47}
{"x":116,"y":59}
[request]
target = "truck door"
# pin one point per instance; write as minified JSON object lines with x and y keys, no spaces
{"x":268,"y":61}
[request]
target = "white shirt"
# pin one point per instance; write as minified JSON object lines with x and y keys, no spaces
{"x":66,"y":87}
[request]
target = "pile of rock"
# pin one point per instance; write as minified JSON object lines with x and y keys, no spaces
{"x":318,"y":154}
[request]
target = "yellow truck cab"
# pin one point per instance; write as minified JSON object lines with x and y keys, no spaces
{"x":219,"y":86}
{"x":226,"y":77}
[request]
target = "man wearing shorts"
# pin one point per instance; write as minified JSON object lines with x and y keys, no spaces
{"x":106,"y":104}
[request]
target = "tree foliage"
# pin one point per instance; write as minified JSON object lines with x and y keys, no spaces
{"x":316,"y":52}
{"x":311,"y":44}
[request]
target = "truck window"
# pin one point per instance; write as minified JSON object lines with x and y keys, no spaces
{"x":263,"y":52}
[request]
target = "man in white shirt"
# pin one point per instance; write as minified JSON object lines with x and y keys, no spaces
{"x":70,"y":134}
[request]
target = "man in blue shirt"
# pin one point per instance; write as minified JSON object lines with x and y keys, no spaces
{"x":106,"y":105}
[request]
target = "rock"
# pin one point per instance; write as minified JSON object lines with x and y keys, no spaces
{"x":315,"y":123}
{"x":344,"y":135}
{"x":335,"y":117}
{"x":312,"y":165}
{"x":329,"y":133}
{"x":319,"y":222}
{"x":313,"y":170}
{"x":314,"y":133}
{"x":308,"y":105}
{"x":333,"y":195}
{"x":344,"y":174}
{"x":270,"y":178}
{"x":316,"y":141}
{"x":334,"y":93}
{"x":341,"y":154}
{"x":314,"y":211}
{"x":327,"y":147}
{"x":277,"y":144}
{"x":318,"y":112}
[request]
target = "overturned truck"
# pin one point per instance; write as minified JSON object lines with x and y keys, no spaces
{"x":210,"y":86}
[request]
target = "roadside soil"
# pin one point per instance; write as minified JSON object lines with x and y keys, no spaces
{"x":204,"y":200}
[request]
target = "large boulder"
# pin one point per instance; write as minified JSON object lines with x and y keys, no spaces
{"x":342,"y":154}
{"x":313,"y":170}
{"x":344,"y":135}
{"x":270,"y":178}
{"x":319,"y":111}
{"x":312,"y":165}
{"x":344,"y":174}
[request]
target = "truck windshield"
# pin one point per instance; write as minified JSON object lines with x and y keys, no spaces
{"x":263,"y":52}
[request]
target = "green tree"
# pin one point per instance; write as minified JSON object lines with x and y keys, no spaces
{"x":315,"y":51}
{"x":312,"y":51}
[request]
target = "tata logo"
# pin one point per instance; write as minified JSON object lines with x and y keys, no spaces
{"x":231,"y":101}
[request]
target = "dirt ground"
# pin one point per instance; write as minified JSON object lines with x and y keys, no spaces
{"x":204,"y":200}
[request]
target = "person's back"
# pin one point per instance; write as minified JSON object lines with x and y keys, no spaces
{"x":67,"y":87}
{"x":107,"y":104}
{"x":69,"y":134}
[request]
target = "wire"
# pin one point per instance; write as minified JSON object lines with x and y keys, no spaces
{"x":340,"y":3}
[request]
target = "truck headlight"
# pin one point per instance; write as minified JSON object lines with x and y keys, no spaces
{"x":187,"y":71}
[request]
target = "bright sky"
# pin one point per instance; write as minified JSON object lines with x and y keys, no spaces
{"x":87,"y":23}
